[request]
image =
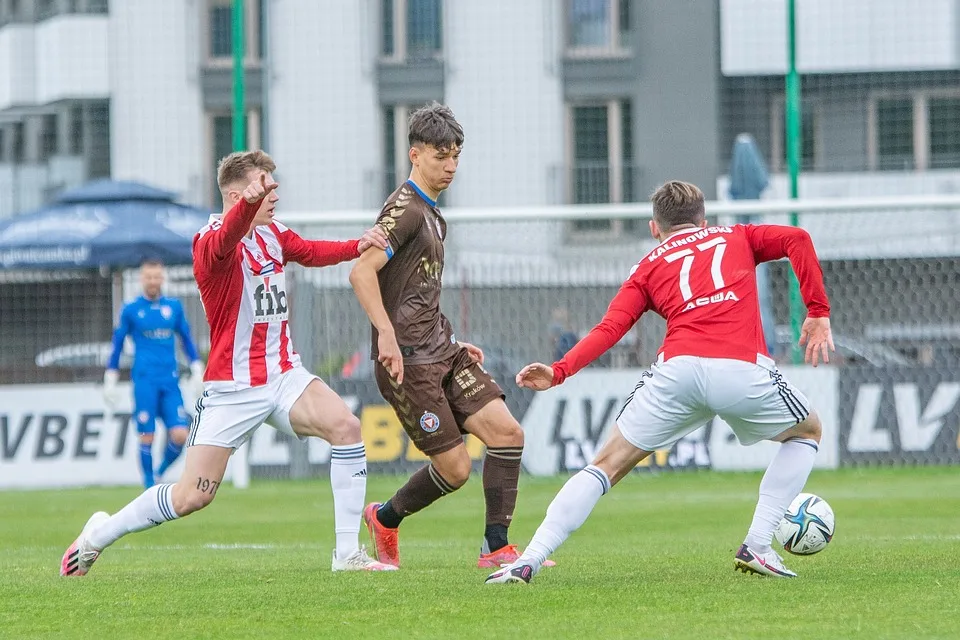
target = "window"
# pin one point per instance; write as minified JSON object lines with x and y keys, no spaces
{"x":809,"y":134}
{"x":387,"y":42}
{"x":597,"y":26}
{"x":98,"y":153}
{"x":591,"y":151}
{"x":46,"y":9}
{"x":220,"y":29}
{"x":389,"y":149}
{"x":17,"y":146}
{"x":601,"y":169}
{"x":396,"y":164}
{"x":221,"y":141}
{"x":944,"y":122}
{"x":915,"y":131}
{"x":626,"y":134}
{"x":411,"y":29}
{"x":76,"y":130}
{"x":895,"y":133}
{"x":48,"y":137}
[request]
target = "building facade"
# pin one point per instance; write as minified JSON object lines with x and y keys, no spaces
{"x":582,"y":101}
{"x":563,"y":101}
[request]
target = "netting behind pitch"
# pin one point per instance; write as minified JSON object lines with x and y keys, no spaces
{"x":564,"y":102}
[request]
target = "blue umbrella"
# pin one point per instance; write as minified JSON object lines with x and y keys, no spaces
{"x":102,"y":224}
{"x":748,"y":178}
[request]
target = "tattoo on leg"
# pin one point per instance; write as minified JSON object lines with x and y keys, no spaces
{"x":207,"y":486}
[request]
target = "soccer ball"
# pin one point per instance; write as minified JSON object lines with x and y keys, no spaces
{"x":807,"y":526}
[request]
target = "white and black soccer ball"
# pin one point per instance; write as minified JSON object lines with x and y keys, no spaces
{"x":807,"y":527}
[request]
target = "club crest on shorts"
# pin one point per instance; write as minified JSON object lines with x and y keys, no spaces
{"x":429,"y":422}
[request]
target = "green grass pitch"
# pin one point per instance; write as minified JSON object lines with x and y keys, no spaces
{"x":654,"y":561}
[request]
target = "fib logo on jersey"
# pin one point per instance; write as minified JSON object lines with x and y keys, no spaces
{"x":270,"y":298}
{"x":429,"y":422}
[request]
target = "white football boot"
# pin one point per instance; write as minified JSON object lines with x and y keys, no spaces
{"x":80,"y":556}
{"x":359,"y":561}
{"x":518,"y":572}
{"x":762,"y":564}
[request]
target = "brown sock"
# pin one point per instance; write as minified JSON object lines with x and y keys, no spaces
{"x":501,"y":474}
{"x":424,"y":487}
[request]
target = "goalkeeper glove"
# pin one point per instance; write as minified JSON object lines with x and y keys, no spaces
{"x":196,"y":378}
{"x":111,"y":395}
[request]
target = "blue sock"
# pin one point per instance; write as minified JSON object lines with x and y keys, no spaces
{"x":146,"y":464}
{"x":170,"y":455}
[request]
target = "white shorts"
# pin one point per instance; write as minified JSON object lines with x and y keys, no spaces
{"x":227,"y":418}
{"x":679,"y":396}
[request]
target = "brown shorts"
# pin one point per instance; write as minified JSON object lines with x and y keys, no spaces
{"x":435,"y":399}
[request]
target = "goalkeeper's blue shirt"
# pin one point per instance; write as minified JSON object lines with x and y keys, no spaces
{"x":153,"y":325}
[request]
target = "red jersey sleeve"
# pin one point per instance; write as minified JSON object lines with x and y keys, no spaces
{"x":624,"y":311}
{"x":219,"y":241}
{"x":314,"y":253}
{"x":773,"y":242}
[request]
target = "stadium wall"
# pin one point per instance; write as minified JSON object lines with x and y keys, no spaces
{"x":62,"y":435}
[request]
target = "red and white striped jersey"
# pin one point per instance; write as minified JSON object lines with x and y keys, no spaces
{"x":242,"y":286}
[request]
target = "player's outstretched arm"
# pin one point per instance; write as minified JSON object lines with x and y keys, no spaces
{"x":625,"y":309}
{"x":323,"y":253}
{"x":536,"y":376}
{"x":190,"y":349}
{"x":363,"y":279}
{"x":119,"y":335}
{"x":186,"y":340}
{"x":111,"y":376}
{"x":815,"y":334}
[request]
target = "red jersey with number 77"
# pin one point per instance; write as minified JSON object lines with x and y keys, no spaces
{"x":703,"y":282}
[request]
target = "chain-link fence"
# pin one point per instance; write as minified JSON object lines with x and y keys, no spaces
{"x":565,"y":103}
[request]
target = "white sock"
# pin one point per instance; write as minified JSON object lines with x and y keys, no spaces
{"x":567,"y":512}
{"x":348,"y":478}
{"x":783,"y":481}
{"x":151,"y":508}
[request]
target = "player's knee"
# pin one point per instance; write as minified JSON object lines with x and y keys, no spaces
{"x":146,"y":438}
{"x":191,"y":500}
{"x":506,"y":433}
{"x":513,"y":434}
{"x":456,"y":472}
{"x":344,"y":429}
{"x":178,"y":436}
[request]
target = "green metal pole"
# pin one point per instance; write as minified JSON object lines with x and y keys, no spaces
{"x":794,"y":138}
{"x":239,"y":110}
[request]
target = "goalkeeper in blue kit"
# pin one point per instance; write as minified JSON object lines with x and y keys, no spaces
{"x":152,"y":321}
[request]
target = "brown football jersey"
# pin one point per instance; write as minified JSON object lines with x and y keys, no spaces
{"x":410,"y":281}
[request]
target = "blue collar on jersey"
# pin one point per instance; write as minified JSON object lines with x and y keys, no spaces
{"x":428,"y":199}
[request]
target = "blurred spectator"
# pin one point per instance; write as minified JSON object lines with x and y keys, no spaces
{"x":561,"y":335}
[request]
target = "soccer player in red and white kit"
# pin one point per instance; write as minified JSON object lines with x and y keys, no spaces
{"x":713,"y":361}
{"x":253,"y":374}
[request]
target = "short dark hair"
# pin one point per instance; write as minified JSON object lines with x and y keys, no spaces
{"x":151,"y":262}
{"x":435,"y":125}
{"x":676,"y":203}
{"x":234,"y":168}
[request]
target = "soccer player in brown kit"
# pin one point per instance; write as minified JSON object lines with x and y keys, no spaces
{"x":437,"y":386}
